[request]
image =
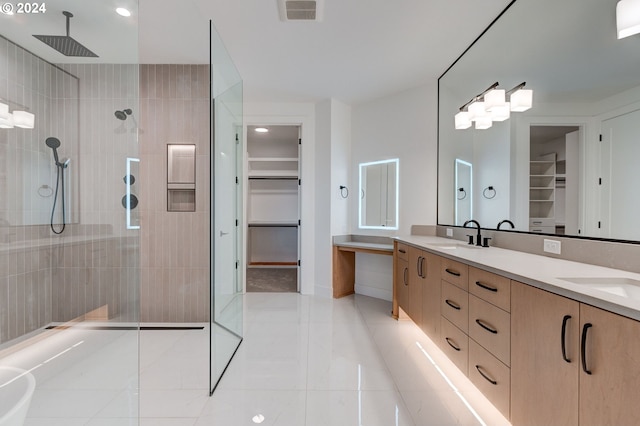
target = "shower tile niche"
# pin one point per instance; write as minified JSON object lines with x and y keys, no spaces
{"x":181,"y":178}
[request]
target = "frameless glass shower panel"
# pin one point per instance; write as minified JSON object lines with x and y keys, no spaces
{"x":226,"y":293}
{"x":69,"y":229}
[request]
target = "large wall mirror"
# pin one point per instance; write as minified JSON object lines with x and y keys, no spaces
{"x":378,"y":204}
{"x":567,"y":165}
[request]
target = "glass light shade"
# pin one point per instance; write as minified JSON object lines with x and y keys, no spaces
{"x":462,"y":120}
{"x":6,"y":123}
{"x":4,"y":111}
{"x":628,"y":18}
{"x":476,"y":110}
{"x":24,"y":119}
{"x":501,"y":113}
{"x":483,"y":123}
{"x":494,"y":99}
{"x":521,"y":100}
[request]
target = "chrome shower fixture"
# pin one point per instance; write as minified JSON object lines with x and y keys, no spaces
{"x":122,"y":115}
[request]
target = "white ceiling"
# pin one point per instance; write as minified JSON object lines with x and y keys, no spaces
{"x":361,"y":50}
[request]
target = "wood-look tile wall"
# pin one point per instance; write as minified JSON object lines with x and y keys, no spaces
{"x":174,"y":104}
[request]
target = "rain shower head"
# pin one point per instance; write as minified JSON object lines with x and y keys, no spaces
{"x":122,"y":115}
{"x":66,"y":44}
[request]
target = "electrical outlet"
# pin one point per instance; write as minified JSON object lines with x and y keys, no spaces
{"x":449,"y":232}
{"x":552,"y":246}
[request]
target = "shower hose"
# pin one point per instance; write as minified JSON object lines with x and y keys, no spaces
{"x":59,"y":180}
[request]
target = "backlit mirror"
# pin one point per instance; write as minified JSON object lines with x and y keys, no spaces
{"x":566,"y":166}
{"x":378,"y":205}
{"x":463,"y":192}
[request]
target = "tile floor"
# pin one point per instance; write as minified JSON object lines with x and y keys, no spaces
{"x":311,"y":361}
{"x":304,"y":361}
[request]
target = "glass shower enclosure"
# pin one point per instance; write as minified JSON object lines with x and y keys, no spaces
{"x":69,"y":224}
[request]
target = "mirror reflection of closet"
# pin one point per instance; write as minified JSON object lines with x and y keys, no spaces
{"x":378,"y":205}
{"x":181,"y":178}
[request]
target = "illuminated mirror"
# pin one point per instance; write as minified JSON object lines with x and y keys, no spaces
{"x":378,"y":205}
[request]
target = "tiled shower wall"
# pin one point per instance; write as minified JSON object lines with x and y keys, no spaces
{"x":174,"y":103}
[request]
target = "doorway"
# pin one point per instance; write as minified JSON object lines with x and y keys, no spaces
{"x":273,"y":208}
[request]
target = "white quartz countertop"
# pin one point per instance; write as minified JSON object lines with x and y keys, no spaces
{"x":539,"y":271}
{"x":364,"y":245}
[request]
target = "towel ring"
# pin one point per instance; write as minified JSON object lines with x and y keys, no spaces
{"x":45,"y":191}
{"x":489,"y":193}
{"x":464,"y":194}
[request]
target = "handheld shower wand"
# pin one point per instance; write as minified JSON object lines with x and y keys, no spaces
{"x":54,"y":144}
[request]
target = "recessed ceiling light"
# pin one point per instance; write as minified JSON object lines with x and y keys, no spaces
{"x":258,"y":418}
{"x":262,"y":129}
{"x":123,"y":12}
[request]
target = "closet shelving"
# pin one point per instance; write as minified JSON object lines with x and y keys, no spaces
{"x":273,"y":201}
{"x":542,"y":188}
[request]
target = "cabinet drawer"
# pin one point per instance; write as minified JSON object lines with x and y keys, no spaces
{"x":455,"y":272}
{"x":455,"y":305}
{"x":490,"y":376}
{"x":402,"y":251}
{"x":493,"y":288}
{"x":455,"y":344}
{"x":542,"y":222}
{"x":490,"y":326}
{"x":543,"y":229}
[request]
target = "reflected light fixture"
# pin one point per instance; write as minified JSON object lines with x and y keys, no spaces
{"x":24,"y":119}
{"x":123,"y":12}
{"x":6,"y":118}
{"x":261,"y":130}
{"x":492,"y":105}
{"x":628,"y":18}
{"x":462,"y":120}
{"x":521,"y":99}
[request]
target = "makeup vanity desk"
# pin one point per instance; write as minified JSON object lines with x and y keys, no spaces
{"x":345,"y":248}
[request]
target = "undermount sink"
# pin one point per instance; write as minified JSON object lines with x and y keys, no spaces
{"x":623,"y":287}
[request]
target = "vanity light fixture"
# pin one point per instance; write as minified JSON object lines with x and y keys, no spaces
{"x":22,"y":119}
{"x":261,"y":130}
{"x":521,"y":99}
{"x":491,"y":105}
{"x":628,"y":18}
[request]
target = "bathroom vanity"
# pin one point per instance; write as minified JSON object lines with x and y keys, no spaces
{"x":547,"y":341}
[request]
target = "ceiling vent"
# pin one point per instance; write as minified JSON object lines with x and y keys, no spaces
{"x":301,"y":10}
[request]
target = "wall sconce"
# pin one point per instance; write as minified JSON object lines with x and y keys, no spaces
{"x":491,"y":105}
{"x":628,"y":18}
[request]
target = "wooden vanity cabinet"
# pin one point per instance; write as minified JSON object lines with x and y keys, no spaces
{"x":609,"y":395}
{"x":400,"y":278}
{"x":416,"y":284}
{"x":544,"y":381}
{"x":552,"y":386}
{"x":431,"y":294}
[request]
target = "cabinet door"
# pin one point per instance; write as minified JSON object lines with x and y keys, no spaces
{"x":609,"y":395}
{"x":402,"y":284}
{"x":431,"y":294}
{"x":544,"y":386}
{"x":416,"y":283}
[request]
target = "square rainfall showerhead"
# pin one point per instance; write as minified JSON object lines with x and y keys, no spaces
{"x":66,"y":44}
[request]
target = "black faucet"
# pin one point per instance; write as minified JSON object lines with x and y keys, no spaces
{"x":478,"y":237}
{"x":505,"y":221}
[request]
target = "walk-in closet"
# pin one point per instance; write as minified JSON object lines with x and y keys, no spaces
{"x":273,"y":208}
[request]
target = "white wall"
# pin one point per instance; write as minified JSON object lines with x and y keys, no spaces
{"x":401,"y":126}
{"x":304,"y":115}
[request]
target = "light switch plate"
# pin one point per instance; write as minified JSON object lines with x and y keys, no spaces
{"x":449,"y":232}
{"x":552,"y":246}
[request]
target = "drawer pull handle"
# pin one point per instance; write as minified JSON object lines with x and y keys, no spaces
{"x":487,"y":378}
{"x":563,"y":335}
{"x":454,"y":273}
{"x":583,"y":347}
{"x":451,"y":344}
{"x":403,"y":251}
{"x":537,"y":222}
{"x":452,"y":304}
{"x":486,"y":287}
{"x":404,"y":278}
{"x":486,"y":327}
{"x":422,"y":275}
